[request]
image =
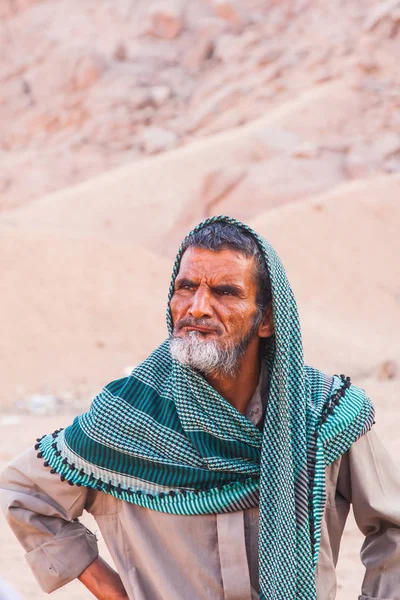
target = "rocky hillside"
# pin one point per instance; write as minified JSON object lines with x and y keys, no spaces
{"x":87,"y":86}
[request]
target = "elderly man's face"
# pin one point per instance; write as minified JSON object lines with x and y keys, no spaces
{"x":215,"y":296}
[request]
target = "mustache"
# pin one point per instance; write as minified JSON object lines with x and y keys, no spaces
{"x":190,"y":322}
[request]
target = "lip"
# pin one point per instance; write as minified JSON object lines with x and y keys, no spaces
{"x":201,"y":329}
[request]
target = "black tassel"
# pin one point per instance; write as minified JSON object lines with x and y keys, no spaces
{"x":39,"y":455}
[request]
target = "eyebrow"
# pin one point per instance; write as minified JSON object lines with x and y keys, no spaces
{"x":223,"y":287}
{"x":185,"y":281}
{"x":228,"y":287}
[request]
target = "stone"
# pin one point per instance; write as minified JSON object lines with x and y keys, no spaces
{"x":381,"y":11}
{"x":120,"y":52}
{"x":369,"y":156}
{"x":165,"y":19}
{"x":159,"y":94}
{"x":201,"y":50}
{"x":388,"y":369}
{"x":156,"y":139}
{"x":229,"y":10}
{"x":306,"y":150}
{"x":41,"y":404}
{"x":86,"y":71}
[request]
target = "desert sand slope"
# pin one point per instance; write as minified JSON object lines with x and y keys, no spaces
{"x":340,"y":252}
{"x":74,"y":312}
{"x":82,"y":303}
{"x":173,"y":191}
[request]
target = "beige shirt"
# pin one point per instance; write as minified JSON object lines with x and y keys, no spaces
{"x":214,"y":557}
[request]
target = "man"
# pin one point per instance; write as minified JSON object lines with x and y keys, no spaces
{"x":222,"y":468}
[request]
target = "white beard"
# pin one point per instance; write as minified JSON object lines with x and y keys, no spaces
{"x":205,"y":356}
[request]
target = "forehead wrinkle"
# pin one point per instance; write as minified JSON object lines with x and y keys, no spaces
{"x":218,"y":277}
{"x":226,"y":264}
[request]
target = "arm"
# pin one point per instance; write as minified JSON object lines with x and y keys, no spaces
{"x":42,"y":511}
{"x":103,"y":581}
{"x":370,"y":479}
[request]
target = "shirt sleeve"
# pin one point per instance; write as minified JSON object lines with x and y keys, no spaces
{"x":370,"y":480}
{"x":42,"y":511}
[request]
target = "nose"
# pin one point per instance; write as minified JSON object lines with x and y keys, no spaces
{"x":200,"y":306}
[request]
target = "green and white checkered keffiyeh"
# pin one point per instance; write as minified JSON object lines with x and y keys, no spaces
{"x":164,"y":439}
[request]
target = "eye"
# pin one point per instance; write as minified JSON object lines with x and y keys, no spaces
{"x":224,"y":292}
{"x":186,"y":287}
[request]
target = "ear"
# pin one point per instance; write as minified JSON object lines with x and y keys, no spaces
{"x":266,"y":327}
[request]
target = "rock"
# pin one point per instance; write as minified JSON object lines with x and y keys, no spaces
{"x":159,"y":94}
{"x":165,"y":19}
{"x":381,"y":11}
{"x":392,"y":164}
{"x":230,"y":11}
{"x":369,"y":156}
{"x":85,"y":72}
{"x":306,"y":150}
{"x":41,"y":404}
{"x":201,"y":50}
{"x":388,"y":369}
{"x":120,"y":52}
{"x":156,"y":139}
{"x":367,"y":64}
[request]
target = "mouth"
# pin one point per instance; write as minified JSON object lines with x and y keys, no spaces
{"x":203,"y":330}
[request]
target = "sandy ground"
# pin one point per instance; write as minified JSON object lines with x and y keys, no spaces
{"x":17,"y":433}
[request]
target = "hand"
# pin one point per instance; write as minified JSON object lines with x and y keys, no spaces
{"x":103,"y":581}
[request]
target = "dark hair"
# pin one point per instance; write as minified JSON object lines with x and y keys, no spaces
{"x":222,"y":236}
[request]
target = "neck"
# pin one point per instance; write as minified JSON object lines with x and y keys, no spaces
{"x":239,"y":389}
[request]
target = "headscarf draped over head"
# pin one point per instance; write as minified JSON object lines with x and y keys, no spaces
{"x":163,"y":438}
